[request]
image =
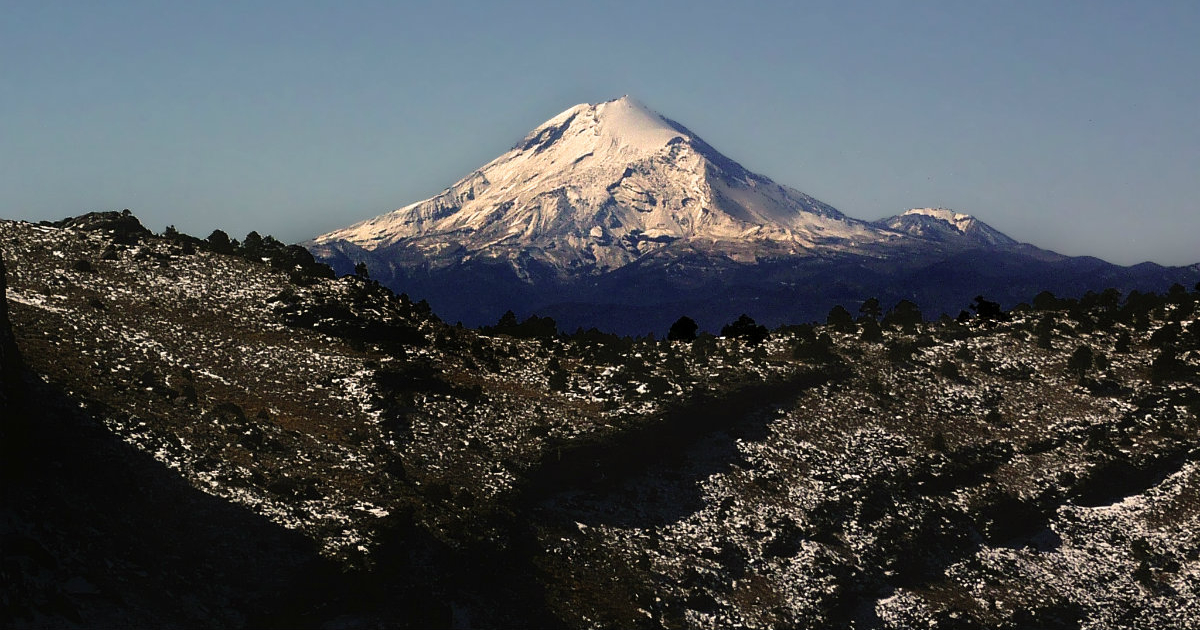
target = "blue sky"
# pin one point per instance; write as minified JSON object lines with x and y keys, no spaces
{"x":1071,"y":125}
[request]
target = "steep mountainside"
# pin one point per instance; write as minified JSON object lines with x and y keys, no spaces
{"x":597,"y":187}
{"x":611,"y":215}
{"x":219,"y":442}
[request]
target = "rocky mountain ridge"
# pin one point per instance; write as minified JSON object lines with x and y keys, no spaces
{"x":384,"y":468}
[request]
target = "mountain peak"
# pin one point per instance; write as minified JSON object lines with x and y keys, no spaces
{"x":623,"y":123}
{"x":601,"y":185}
{"x":957,"y":220}
{"x":945,"y":225}
{"x":944,"y":214}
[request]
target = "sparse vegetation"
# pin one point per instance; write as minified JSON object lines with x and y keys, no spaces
{"x":933,"y":474}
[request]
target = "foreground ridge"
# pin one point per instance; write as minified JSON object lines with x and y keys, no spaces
{"x":1036,"y":467}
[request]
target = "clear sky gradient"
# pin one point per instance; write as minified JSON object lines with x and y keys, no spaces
{"x":1071,"y":125}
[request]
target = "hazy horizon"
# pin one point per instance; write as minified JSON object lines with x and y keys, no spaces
{"x":1072,"y":127}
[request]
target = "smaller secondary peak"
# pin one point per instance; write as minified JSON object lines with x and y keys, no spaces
{"x":945,"y":214}
{"x":943,"y":224}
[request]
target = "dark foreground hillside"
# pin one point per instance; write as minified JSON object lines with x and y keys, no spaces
{"x":206,"y":440}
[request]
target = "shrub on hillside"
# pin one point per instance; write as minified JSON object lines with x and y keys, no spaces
{"x":1167,"y":367}
{"x":1080,"y":361}
{"x":871,"y":331}
{"x":816,"y":348}
{"x":987,"y":310}
{"x":901,"y":350}
{"x":840,"y":319}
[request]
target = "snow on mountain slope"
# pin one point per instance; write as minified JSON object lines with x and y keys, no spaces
{"x":599,"y":186}
{"x":943,"y":225}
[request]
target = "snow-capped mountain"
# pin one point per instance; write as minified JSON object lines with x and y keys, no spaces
{"x":947,"y":226}
{"x":612,"y":215}
{"x":599,"y":186}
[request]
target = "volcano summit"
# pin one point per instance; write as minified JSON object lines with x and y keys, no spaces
{"x":615,"y":216}
{"x":599,"y":186}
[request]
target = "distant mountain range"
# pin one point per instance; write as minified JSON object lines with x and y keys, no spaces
{"x":611,"y":215}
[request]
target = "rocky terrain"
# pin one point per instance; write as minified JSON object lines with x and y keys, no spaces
{"x":10,"y":365}
{"x":215,"y":436}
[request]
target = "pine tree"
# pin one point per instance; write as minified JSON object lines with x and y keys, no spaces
{"x":870,"y":309}
{"x":684,"y":329}
{"x":744,"y":328}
